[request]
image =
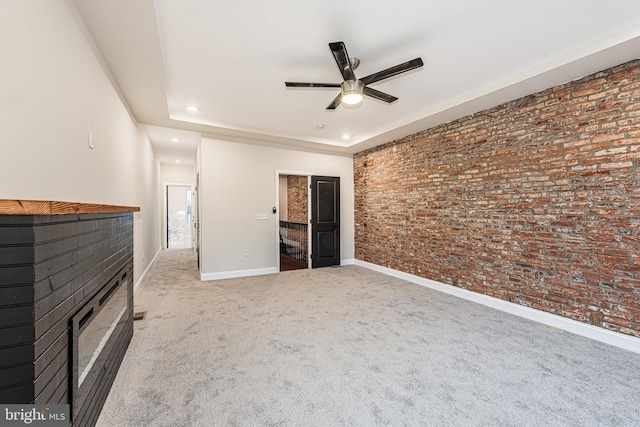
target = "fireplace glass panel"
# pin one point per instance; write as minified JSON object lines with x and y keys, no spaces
{"x":95,"y":336}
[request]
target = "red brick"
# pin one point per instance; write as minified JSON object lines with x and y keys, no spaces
{"x":297,"y":199}
{"x":535,"y":200}
{"x":618,"y":321}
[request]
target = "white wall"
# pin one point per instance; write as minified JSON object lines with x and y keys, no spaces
{"x":237,"y":181}
{"x":146,"y":181}
{"x":177,"y":197}
{"x":53,"y":92}
{"x":175,"y":174}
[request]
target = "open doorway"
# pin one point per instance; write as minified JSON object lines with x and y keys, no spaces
{"x":293,"y":222}
{"x":179,"y":216}
{"x":308,"y":226}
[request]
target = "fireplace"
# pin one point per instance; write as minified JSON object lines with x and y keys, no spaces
{"x":94,"y":331}
{"x":66,"y":303}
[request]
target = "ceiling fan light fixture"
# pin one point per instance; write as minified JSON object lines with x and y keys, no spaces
{"x":352,"y":92}
{"x":352,"y":89}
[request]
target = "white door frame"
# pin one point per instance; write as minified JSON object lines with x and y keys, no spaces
{"x":165,"y":242}
{"x":308,"y":174}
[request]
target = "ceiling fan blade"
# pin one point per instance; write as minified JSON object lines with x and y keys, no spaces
{"x":334,"y":104}
{"x":339,"y":51}
{"x":379,"y":95}
{"x":393,"y":71}
{"x":297,"y":84}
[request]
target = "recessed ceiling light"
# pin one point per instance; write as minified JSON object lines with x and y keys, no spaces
{"x":346,"y":136}
{"x":175,"y":140}
{"x":192,"y":108}
{"x":177,"y":161}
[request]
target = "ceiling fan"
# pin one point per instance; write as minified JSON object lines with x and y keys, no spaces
{"x":353,"y":88}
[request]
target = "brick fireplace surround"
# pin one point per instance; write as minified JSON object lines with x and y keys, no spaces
{"x":535,"y":201}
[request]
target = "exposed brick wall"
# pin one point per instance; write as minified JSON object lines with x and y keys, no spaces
{"x":536,"y":201}
{"x":297,"y":199}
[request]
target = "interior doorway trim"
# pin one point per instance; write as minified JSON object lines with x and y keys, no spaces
{"x":165,"y":225}
{"x":280,"y":172}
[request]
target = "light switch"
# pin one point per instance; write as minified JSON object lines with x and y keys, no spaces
{"x":262,"y":216}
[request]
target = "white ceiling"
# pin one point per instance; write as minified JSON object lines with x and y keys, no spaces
{"x":231,"y":59}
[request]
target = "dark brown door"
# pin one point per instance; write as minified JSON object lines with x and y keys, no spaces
{"x":325,"y":221}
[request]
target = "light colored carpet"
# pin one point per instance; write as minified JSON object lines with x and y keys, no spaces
{"x":351,"y":347}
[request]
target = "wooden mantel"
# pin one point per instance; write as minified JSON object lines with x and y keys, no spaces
{"x":41,"y":207}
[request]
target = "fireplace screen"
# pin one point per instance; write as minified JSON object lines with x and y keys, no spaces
{"x":94,"y":337}
{"x":95,"y":329}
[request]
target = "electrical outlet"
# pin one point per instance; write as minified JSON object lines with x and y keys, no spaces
{"x":246,"y":252}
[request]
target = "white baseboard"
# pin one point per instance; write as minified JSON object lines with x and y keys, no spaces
{"x":603,"y":335}
{"x":239,"y":273}
{"x":205,"y":277}
{"x":136,"y":287}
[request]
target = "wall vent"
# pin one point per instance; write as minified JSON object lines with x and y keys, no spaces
{"x":139,"y":315}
